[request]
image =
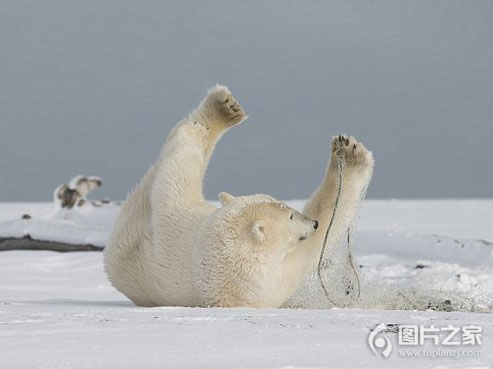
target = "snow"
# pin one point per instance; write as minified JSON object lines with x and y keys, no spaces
{"x":58,"y":310}
{"x":88,"y":224}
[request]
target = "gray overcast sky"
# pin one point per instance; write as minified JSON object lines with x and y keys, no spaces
{"x":94,"y":86}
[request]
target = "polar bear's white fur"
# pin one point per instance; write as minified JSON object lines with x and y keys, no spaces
{"x":171,"y":247}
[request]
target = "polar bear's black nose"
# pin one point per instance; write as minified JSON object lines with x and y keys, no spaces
{"x":316,"y":224}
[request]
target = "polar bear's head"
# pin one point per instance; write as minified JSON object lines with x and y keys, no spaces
{"x":265,"y":224}
{"x":243,"y":249}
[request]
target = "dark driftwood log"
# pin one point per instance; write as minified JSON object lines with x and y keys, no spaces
{"x":28,"y":243}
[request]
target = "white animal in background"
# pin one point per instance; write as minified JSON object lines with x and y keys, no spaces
{"x":76,"y":191}
{"x":171,"y":247}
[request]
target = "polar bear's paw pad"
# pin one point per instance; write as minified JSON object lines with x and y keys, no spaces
{"x":225,"y":106}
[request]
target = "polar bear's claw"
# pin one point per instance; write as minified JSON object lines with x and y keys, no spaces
{"x":354,"y":153}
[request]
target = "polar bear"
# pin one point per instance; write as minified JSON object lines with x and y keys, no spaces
{"x":170,"y":247}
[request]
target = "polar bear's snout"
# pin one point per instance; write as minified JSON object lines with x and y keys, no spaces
{"x":308,"y":225}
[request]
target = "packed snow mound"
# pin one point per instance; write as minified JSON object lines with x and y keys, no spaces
{"x":412,"y":255}
{"x":439,"y":274}
{"x":88,"y":224}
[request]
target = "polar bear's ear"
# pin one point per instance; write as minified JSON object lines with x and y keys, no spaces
{"x":258,"y":229}
{"x":226,"y":198}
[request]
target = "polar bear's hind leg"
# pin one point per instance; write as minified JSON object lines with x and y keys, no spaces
{"x":189,"y":146}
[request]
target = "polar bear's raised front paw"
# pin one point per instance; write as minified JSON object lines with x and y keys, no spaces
{"x":222,"y":104}
{"x":354,"y":153}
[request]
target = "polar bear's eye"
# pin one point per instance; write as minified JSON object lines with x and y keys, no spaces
{"x":291,"y":217}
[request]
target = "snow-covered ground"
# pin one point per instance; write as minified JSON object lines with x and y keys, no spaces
{"x":58,"y":310}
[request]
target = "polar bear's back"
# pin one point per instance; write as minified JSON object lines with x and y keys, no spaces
{"x":124,"y":255}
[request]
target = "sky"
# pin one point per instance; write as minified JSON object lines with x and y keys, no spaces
{"x":93,"y":87}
